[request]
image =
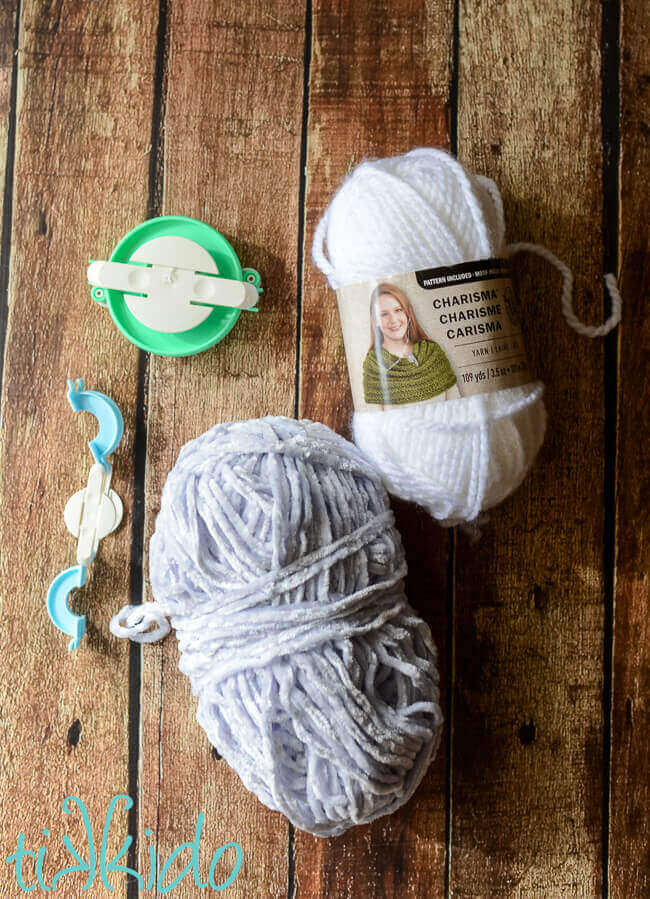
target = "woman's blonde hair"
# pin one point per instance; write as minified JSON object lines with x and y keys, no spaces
{"x":414,"y":330}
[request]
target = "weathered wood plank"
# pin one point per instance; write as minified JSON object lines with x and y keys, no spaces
{"x":528,"y":751}
{"x":7,"y":31}
{"x":379,"y":85}
{"x":83,"y":122}
{"x":232,"y":146}
{"x":630,"y":763}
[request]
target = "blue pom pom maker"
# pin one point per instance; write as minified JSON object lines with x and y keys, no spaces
{"x":92,"y":513}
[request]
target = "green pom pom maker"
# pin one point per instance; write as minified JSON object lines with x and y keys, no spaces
{"x":174,"y":286}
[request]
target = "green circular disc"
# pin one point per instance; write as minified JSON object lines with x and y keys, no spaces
{"x":221,"y":319}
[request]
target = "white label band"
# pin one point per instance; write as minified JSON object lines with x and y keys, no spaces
{"x":432,"y":335}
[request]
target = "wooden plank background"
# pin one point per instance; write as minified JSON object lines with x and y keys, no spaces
{"x":528,"y":774}
{"x":247,"y":116}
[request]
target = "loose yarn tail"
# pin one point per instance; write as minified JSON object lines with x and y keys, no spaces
{"x":135,"y":623}
{"x":566,"y":297}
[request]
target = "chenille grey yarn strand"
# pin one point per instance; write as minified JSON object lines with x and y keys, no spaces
{"x":423,"y":210}
{"x":277,"y":561}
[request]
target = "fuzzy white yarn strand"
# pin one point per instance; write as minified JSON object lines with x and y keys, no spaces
{"x":423,"y":210}
{"x":276,"y":558}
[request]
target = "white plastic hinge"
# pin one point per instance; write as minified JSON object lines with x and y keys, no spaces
{"x":174,"y":287}
{"x":92,"y":513}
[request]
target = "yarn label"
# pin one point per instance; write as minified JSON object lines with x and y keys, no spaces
{"x":432,"y":335}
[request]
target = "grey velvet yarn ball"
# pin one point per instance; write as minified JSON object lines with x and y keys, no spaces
{"x":276,"y":558}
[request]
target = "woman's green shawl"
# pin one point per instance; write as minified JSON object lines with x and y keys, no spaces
{"x":391,"y":380}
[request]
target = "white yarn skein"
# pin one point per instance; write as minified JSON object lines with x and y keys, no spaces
{"x":276,"y":558}
{"x":423,"y":210}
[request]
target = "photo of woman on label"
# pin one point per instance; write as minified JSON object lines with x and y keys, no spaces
{"x":403,"y":365}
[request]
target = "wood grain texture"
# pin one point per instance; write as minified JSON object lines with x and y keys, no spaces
{"x":232,"y":132}
{"x":83,"y":119}
{"x":8,"y":12}
{"x":379,"y":85}
{"x":528,"y":747}
{"x":630,"y":763}
{"x":526,"y":735}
